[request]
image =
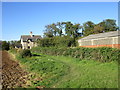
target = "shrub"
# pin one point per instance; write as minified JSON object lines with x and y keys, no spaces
{"x":25,"y":53}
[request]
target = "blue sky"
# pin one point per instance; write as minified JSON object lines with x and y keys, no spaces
{"x":19,"y":18}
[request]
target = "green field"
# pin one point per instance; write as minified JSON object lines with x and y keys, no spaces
{"x":67,"y":72}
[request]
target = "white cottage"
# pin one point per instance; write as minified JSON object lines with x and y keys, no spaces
{"x":28,"y":41}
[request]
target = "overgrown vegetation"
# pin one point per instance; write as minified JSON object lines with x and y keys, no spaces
{"x":5,"y":45}
{"x":57,"y":41}
{"x":25,"y":53}
{"x":103,"y":54}
{"x":67,"y":72}
{"x":78,"y":30}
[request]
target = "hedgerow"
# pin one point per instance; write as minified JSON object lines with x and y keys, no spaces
{"x":103,"y":54}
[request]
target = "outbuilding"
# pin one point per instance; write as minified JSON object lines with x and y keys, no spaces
{"x":106,"y":39}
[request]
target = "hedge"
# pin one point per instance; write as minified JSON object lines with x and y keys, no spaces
{"x":103,"y":54}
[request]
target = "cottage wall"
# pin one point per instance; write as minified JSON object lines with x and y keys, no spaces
{"x":25,"y":45}
{"x":31,"y":44}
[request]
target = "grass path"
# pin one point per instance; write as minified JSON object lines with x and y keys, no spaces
{"x":71,"y":73}
{"x":88,"y":74}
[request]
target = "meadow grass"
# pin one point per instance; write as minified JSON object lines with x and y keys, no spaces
{"x":68,"y":72}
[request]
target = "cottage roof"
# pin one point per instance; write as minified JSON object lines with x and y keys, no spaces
{"x":28,"y":37}
{"x":102,"y":35}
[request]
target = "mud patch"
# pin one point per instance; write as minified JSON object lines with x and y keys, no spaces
{"x":12,"y":74}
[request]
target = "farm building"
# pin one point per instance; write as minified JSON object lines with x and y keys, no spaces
{"x":28,"y":41}
{"x":107,"y":39}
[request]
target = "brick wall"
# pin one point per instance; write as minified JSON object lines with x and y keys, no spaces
{"x":111,"y":45}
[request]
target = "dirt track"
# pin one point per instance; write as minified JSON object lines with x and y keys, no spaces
{"x":12,"y":74}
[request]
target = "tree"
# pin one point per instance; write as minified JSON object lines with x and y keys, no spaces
{"x":105,"y":26}
{"x":72,"y":30}
{"x":5,"y":45}
{"x":13,"y":43}
{"x":98,"y":29}
{"x":110,"y":25}
{"x":68,"y":28}
{"x":60,"y":28}
{"x":54,"y":29}
{"x":51,"y":30}
{"x":88,"y":28}
{"x":48,"y":31}
{"x":75,"y":30}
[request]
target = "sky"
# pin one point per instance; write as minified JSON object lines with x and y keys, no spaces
{"x":19,"y":18}
{"x":60,"y":0}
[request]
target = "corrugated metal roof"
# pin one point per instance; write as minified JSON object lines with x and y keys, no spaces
{"x":102,"y":35}
{"x":28,"y":37}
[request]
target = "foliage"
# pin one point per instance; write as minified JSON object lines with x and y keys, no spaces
{"x":5,"y":45}
{"x":13,"y":43}
{"x":53,"y":30}
{"x":57,"y":41}
{"x":104,"y":26}
{"x":110,"y":25}
{"x":88,"y":28}
{"x":53,"y":35}
{"x":71,"y":29}
{"x":25,"y":53}
{"x":103,"y":54}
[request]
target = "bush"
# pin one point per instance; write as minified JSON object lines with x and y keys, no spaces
{"x":25,"y":53}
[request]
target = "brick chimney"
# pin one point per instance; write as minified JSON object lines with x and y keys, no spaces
{"x":31,"y":34}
